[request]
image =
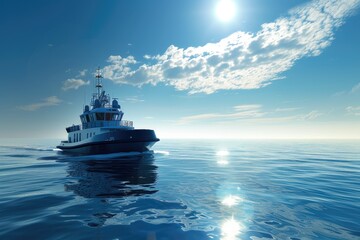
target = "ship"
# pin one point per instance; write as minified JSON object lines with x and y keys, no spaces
{"x":103,"y":130}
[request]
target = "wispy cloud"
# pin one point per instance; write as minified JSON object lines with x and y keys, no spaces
{"x":312,"y":115}
{"x":255,"y":113}
{"x":240,"y":112}
{"x":134,"y":99}
{"x":356,"y":88}
{"x":82,"y":73}
{"x":73,"y":83}
{"x":47,"y":102}
{"x":285,"y":109}
{"x":241,"y":60}
{"x":339,"y":94}
{"x":353,"y":110}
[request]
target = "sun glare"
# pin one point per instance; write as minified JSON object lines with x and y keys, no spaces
{"x":225,"y":10}
{"x":222,"y":157}
{"x":230,"y":229}
{"x":222,"y":153}
{"x":231,"y":201}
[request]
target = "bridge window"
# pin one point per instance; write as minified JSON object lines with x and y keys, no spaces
{"x":108,"y":116}
{"x":115,"y":117}
{"x":100,"y":116}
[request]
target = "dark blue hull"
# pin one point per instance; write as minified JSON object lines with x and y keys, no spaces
{"x":116,"y":141}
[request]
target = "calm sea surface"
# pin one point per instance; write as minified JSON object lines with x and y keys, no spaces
{"x":184,"y":190}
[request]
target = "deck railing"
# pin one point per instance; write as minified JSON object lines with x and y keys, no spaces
{"x":126,"y":123}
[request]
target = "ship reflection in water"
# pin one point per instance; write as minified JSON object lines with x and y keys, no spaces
{"x":113,"y":178}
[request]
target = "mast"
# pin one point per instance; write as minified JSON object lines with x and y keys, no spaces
{"x":98,"y":82}
{"x":99,"y":99}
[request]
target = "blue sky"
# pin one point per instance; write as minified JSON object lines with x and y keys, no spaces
{"x":275,"y":69}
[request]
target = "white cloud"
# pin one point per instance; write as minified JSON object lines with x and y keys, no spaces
{"x":73,"y":83}
{"x":353,"y":110}
{"x":147,"y":56}
{"x":47,"y":102}
{"x":82,"y":73}
{"x":241,"y":60}
{"x":119,"y":68}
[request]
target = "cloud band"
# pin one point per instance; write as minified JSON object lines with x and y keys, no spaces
{"x":241,"y":60}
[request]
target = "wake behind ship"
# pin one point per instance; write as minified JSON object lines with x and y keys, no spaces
{"x":103,"y":131}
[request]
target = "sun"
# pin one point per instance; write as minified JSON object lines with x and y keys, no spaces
{"x":225,"y":10}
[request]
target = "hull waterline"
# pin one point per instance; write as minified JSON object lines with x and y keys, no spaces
{"x":108,"y":147}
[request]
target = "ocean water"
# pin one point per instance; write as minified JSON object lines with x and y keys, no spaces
{"x":184,"y":189}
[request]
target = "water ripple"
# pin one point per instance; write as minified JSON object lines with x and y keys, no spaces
{"x":183,"y":190}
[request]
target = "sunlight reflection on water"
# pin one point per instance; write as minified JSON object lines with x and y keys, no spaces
{"x":222,"y":157}
{"x":222,"y":153}
{"x":231,"y":200}
{"x":230,"y":229}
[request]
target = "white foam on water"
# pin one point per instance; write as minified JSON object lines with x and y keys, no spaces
{"x":162,"y":152}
